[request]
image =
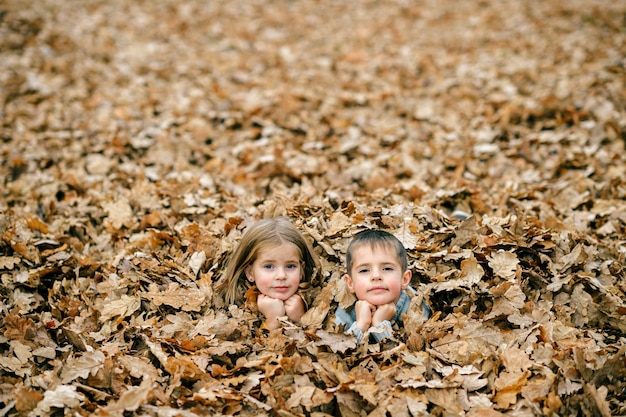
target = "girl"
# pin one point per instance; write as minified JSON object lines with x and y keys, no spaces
{"x":271,"y":261}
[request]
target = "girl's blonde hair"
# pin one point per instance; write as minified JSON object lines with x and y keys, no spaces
{"x":262,"y":235}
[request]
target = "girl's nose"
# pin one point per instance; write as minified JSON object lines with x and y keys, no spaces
{"x":281,"y":272}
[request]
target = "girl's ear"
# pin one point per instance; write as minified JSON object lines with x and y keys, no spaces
{"x":406,"y":278}
{"x":349,"y":282}
{"x":249,"y":275}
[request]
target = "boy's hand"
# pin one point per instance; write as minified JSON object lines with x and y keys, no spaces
{"x":294,"y":307}
{"x":383,"y":312}
{"x":364,"y":312}
{"x":272,"y":309}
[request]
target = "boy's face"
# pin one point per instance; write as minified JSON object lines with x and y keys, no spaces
{"x":376,"y":275}
{"x":277,"y":271}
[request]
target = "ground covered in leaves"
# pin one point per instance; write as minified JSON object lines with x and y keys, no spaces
{"x":139,"y":138}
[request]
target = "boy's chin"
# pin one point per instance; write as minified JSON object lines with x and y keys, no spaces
{"x":379,"y":301}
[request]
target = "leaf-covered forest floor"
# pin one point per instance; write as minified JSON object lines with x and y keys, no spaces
{"x":139,"y":139}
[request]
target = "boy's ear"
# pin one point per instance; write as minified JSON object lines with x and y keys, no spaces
{"x":406,"y":278}
{"x":248,"y":271}
{"x":349,"y":282}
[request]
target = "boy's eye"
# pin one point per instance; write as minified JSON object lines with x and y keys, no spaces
{"x":363,"y":270}
{"x":388,"y":268}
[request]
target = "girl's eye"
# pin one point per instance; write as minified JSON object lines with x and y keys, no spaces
{"x":292,"y":266}
{"x":268,"y":266}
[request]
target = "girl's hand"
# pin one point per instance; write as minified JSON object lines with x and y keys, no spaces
{"x":383,"y":312}
{"x":294,"y":307}
{"x":272,"y":309}
{"x":364,"y":311}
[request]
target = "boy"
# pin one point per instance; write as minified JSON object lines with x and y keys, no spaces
{"x":378,"y":274}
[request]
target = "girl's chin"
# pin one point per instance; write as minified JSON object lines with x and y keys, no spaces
{"x":283,"y":296}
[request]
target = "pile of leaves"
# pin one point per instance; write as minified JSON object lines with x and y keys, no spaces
{"x":140,"y":139}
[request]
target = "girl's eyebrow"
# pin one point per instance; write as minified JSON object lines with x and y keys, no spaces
{"x":294,"y":260}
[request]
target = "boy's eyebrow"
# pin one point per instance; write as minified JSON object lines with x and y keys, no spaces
{"x":361,"y":264}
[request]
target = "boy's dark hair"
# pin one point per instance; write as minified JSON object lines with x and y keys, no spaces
{"x":376,"y":238}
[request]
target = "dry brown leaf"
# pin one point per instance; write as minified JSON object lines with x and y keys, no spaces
{"x":503,"y":264}
{"x":123,"y":307}
{"x":89,"y":363}
{"x":132,"y":398}
{"x":119,"y":213}
{"x":186,"y":299}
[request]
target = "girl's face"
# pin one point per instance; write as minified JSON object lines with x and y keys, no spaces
{"x":376,"y":275}
{"x":277,"y":271}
